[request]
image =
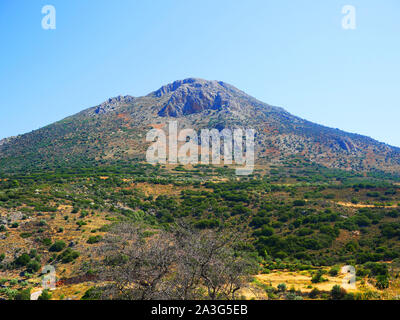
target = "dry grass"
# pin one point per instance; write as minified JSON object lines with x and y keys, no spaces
{"x":359,"y":205}
{"x":299,"y":280}
{"x":71,"y":292}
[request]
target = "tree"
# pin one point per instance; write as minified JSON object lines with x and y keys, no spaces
{"x":57,"y":246}
{"x":282,"y":287}
{"x":183,"y":263}
{"x":23,"y":294}
{"x":33,"y":266}
{"x":22,"y":260}
{"x":209,"y":259}
{"x":135,"y":266}
{"x":334,"y":271}
{"x":314,"y":293}
{"x":382,"y":282}
{"x":337,"y":293}
{"x":317,"y":278}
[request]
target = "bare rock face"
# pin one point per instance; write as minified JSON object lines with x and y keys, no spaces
{"x":189,"y":96}
{"x":113,"y":104}
{"x":346,"y":144}
{"x":11,"y":217}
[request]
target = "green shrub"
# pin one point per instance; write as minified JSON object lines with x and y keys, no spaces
{"x":334,"y":271}
{"x":92,"y":293}
{"x":349,"y":296}
{"x":33,"y":266}
{"x":337,"y":293}
{"x":42,"y":223}
{"x":46,"y":295}
{"x":81,"y":223}
{"x":94,"y":239}
{"x":282,"y":287}
{"x":68,"y":255}
{"x":25,"y":235}
{"x":46,"y":241}
{"x":299,"y":203}
{"x":314,"y":293}
{"x":206,"y":224}
{"x":317,"y":277}
{"x":24,"y":294}
{"x":291,"y":296}
{"x":22,"y":260}
{"x":382,"y":282}
{"x":57,"y":246}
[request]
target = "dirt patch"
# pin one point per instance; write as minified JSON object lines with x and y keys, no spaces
{"x":300,"y":280}
{"x":157,"y":125}
{"x":359,"y":205}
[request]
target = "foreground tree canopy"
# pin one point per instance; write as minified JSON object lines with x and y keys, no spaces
{"x":181,"y":263}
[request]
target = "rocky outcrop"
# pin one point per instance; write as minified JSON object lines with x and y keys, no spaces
{"x":113,"y":104}
{"x":11,"y":217}
{"x":346,"y":144}
{"x":192,"y":95}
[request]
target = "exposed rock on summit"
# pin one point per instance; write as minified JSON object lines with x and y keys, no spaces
{"x":190,"y":96}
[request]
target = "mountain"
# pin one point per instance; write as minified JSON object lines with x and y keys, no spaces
{"x":116,"y":130}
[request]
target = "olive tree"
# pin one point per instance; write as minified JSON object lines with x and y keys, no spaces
{"x":182,"y":263}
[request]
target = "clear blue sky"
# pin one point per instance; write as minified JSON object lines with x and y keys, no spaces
{"x":290,"y":53}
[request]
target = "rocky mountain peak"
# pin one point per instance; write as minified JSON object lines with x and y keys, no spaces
{"x":115,"y":130}
{"x":193,"y":95}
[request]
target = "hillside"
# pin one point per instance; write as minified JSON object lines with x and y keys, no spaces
{"x":115,"y":131}
{"x":298,"y":221}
